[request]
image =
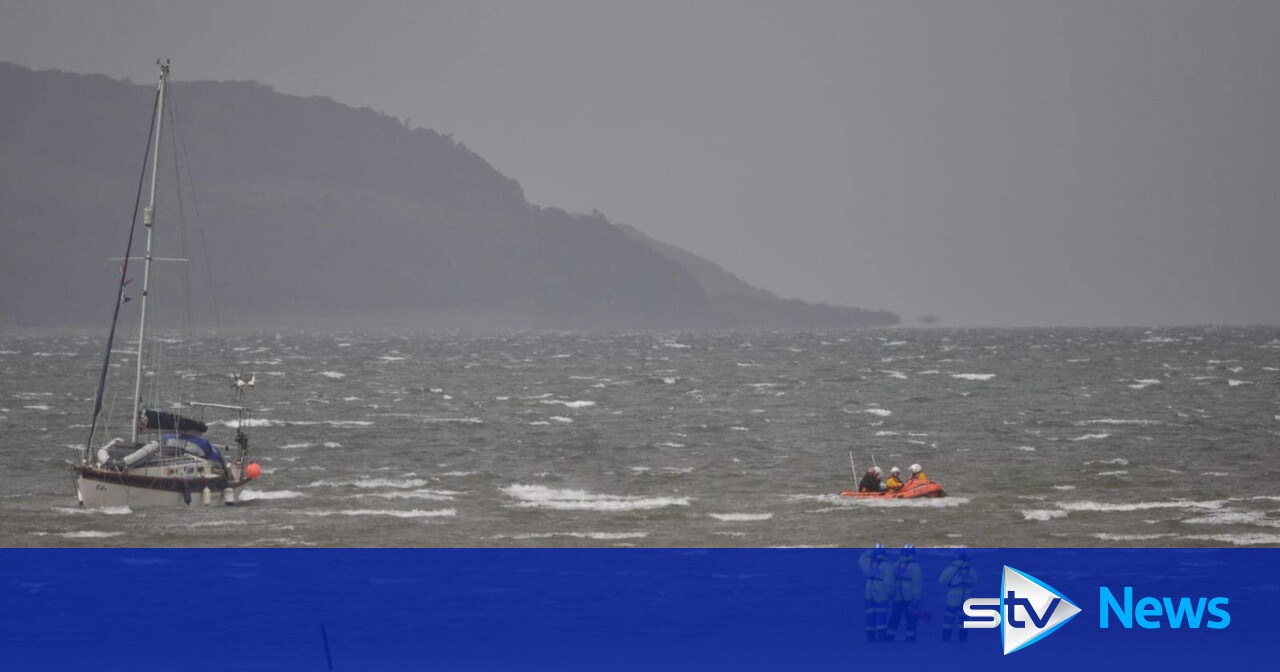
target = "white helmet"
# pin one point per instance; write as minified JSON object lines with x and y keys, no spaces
{"x":915,"y":468}
{"x":895,"y":471}
{"x":876,"y":471}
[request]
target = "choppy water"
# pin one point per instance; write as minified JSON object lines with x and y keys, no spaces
{"x":1043,"y":437}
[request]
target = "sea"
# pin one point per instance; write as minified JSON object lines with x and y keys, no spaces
{"x":1053,"y":437}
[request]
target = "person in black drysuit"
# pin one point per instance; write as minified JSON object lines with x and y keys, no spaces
{"x":870,"y":481}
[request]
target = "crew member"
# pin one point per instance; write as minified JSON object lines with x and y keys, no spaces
{"x":878,"y":571}
{"x":917,"y":474}
{"x":894,"y":482}
{"x":870,"y":481}
{"x":959,"y":578}
{"x":907,"y":586}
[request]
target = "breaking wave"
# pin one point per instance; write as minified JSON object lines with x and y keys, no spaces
{"x":741,"y":517}
{"x":542,"y":497}
{"x":394,"y":513}
{"x":263,"y":495}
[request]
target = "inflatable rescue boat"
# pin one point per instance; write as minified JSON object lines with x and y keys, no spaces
{"x":908,"y":491}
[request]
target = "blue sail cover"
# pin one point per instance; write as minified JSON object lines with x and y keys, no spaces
{"x":210,"y":453}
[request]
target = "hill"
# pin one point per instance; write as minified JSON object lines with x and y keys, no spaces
{"x":309,"y":212}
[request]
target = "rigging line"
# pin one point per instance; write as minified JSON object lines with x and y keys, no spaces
{"x":124,"y":274}
{"x":179,"y":136}
{"x":154,"y":353}
{"x":195,"y":213}
{"x":111,"y":409}
{"x":186,"y":312}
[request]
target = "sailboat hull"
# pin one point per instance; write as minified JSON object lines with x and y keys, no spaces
{"x":100,"y":488}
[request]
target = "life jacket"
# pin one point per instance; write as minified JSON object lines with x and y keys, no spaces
{"x":959,"y":578}
{"x":880,"y":585}
{"x":893,"y":483}
{"x":906,"y":574}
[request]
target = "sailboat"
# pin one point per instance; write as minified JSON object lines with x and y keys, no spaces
{"x":166,"y":461}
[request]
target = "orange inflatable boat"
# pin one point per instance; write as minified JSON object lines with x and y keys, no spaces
{"x":908,"y":491}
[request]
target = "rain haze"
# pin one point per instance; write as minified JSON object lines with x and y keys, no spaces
{"x":992,"y":163}
{"x":479,"y":274}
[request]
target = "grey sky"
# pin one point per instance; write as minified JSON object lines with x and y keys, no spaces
{"x":990,"y":162}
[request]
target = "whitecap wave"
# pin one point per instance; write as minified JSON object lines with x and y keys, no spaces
{"x":267,"y":422}
{"x":1256,"y":518}
{"x":1042,"y":514}
{"x":569,"y":404}
{"x":542,"y":497}
{"x":264,"y":495}
{"x":1108,"y":507}
{"x":394,"y":513}
{"x":1109,"y":536}
{"x":403,"y":484}
{"x":103,"y":510}
{"x":973,"y":376}
{"x":1252,"y":539}
{"x":600,"y":536}
{"x":741,"y":517}
{"x":432,"y":495}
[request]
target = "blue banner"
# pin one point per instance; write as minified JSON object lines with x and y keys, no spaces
{"x":622,"y":609}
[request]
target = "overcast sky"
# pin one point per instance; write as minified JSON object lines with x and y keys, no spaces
{"x":1001,"y":163}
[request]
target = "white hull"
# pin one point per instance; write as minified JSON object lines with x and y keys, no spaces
{"x":95,"y":494}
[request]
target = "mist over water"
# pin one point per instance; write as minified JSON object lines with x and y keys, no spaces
{"x":1042,"y":437}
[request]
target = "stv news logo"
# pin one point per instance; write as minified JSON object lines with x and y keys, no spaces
{"x":1028,"y":609}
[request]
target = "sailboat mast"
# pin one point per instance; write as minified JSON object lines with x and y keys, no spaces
{"x":148,"y":221}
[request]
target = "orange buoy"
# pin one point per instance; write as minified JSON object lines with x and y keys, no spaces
{"x":253,"y":470}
